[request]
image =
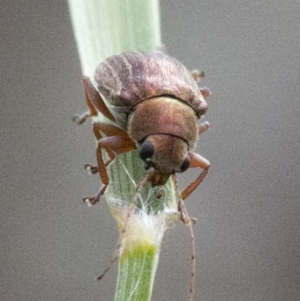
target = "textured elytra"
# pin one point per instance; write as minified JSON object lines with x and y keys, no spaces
{"x":128,"y":78}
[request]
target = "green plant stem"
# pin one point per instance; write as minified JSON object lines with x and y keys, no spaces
{"x":106,"y":27}
{"x":103,"y":28}
{"x":144,"y":257}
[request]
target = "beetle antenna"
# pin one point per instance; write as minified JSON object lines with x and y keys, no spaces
{"x":130,"y":210}
{"x":188,"y":221}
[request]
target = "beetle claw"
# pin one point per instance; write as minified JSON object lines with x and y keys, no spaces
{"x":187,"y":219}
{"x":91,"y":200}
{"x":80,"y":119}
{"x":183,"y":214}
{"x":92,"y":169}
{"x":193,"y":220}
{"x":197,"y":75}
{"x":205,"y":92}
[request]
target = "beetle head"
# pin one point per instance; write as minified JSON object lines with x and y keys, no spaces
{"x":164,"y":155}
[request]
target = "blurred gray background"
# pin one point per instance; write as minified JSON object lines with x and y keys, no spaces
{"x":248,"y":209}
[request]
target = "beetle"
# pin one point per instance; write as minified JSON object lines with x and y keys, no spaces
{"x":152,"y":102}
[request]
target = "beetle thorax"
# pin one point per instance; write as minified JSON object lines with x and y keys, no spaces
{"x":163,"y":115}
{"x":166,"y":129}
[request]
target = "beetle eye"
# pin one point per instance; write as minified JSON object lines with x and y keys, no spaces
{"x":146,"y":150}
{"x":186,"y":164}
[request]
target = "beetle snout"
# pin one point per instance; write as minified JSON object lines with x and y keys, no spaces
{"x":158,"y":179}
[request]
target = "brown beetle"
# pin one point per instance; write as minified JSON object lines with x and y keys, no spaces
{"x":152,"y":103}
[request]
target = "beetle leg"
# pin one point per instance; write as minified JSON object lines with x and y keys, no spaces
{"x":81,"y":118}
{"x":196,"y":161}
{"x":116,"y":141}
{"x":92,"y":169}
{"x":92,"y":200}
{"x":89,"y":95}
{"x":197,"y":75}
{"x":94,"y":103}
{"x":205,"y":92}
{"x":203,"y":127}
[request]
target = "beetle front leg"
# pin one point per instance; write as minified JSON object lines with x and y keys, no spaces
{"x":116,"y":142}
{"x":92,"y":169}
{"x":196,"y":161}
{"x":92,"y":200}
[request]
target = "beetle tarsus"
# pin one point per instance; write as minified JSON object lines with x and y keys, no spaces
{"x":186,"y":219}
{"x":203,"y":127}
{"x":80,"y":119}
{"x":182,"y":215}
{"x":205,"y":92}
{"x":197,"y":75}
{"x":92,"y":200}
{"x":92,"y":169}
{"x":193,"y":220}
